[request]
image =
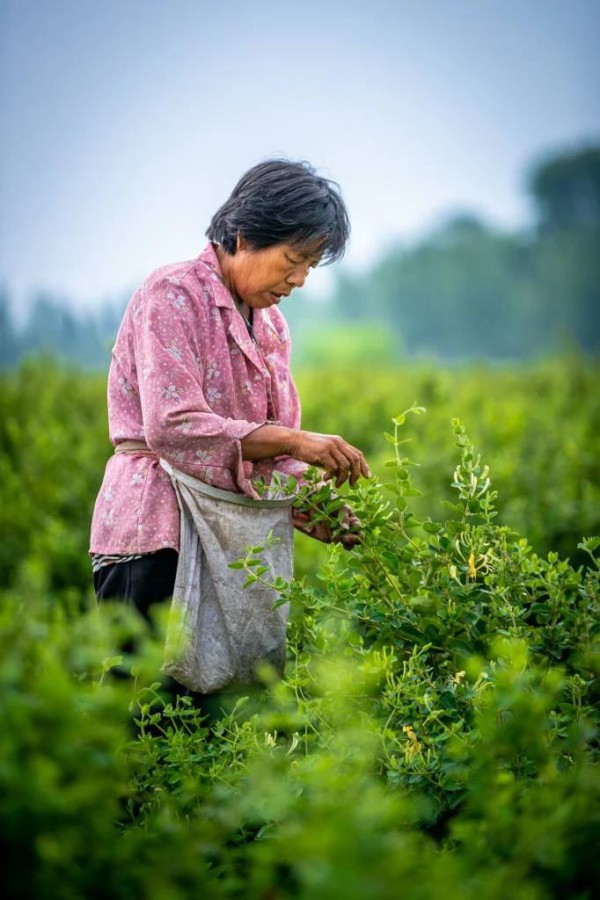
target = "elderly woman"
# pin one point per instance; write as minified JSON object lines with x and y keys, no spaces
{"x":200,"y":378}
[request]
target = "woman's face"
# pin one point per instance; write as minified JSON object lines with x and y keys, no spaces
{"x":262,"y":277}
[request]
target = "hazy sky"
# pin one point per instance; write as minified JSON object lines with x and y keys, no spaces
{"x":125,"y":123}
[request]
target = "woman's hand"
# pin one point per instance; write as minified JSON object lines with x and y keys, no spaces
{"x":341,"y":460}
{"x":347,"y":533}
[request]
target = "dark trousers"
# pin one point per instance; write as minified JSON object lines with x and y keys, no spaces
{"x":141,"y":583}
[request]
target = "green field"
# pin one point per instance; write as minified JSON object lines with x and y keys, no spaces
{"x":436,"y":732}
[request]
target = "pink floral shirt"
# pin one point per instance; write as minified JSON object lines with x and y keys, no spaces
{"x":187,"y":379}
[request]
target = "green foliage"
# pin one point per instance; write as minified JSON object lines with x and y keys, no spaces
{"x":53,"y":447}
{"x":343,"y":346}
{"x":539,"y":427}
{"x":435,"y":734}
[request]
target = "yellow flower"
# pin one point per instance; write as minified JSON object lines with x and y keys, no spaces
{"x":472,"y":569}
{"x":413,"y":747}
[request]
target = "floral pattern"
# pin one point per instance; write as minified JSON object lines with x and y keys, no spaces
{"x":186,"y":379}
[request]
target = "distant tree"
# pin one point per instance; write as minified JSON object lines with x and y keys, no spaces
{"x":459,"y":293}
{"x":56,"y":327}
{"x":465,"y":291}
{"x":10,"y":345}
{"x":469,"y":291}
{"x":566,"y":190}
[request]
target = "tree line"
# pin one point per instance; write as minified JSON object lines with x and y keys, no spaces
{"x":465,"y":291}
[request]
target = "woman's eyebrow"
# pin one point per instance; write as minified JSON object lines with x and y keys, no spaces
{"x":304,"y":257}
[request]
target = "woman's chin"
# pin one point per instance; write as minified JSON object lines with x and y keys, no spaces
{"x":264,"y":301}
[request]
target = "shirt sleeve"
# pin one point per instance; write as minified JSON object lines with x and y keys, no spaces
{"x":287,"y":465}
{"x":179,"y":424}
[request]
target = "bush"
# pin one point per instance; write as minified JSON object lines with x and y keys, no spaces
{"x":435,"y":733}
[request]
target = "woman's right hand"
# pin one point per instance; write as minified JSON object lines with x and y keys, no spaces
{"x":341,"y":460}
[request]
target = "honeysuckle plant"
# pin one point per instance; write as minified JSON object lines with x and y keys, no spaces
{"x":419,"y":607}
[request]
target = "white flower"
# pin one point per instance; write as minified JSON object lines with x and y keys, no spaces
{"x":170,"y":392}
{"x":108,"y":494}
{"x":174,"y":351}
{"x":211,"y":370}
{"x":126,"y":386}
{"x":137,"y":478}
{"x":213,"y":394}
{"x":270,"y":739}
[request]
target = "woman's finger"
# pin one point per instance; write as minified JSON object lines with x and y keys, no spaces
{"x":345,"y":465}
{"x":356,"y":468}
{"x":338,"y":467}
{"x":358,"y":464}
{"x":351,"y":540}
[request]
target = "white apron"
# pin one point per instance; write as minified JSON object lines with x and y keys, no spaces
{"x":218,"y":630}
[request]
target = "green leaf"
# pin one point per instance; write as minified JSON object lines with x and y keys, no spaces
{"x":589,"y":544}
{"x":432,"y":527}
{"x":448,"y":700}
{"x":456,"y":508}
{"x":110,"y":661}
{"x":410,"y":633}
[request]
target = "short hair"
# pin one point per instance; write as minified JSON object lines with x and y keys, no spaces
{"x":280,"y":201}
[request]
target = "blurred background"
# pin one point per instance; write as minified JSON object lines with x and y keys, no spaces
{"x":465,"y":136}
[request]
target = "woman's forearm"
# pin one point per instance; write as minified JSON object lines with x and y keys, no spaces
{"x":329,"y":451}
{"x":268,"y":441}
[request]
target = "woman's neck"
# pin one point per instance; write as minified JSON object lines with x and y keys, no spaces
{"x":225,"y":264}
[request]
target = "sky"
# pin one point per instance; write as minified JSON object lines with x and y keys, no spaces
{"x":126,"y":123}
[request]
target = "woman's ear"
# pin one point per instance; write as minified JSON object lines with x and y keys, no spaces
{"x":240,"y":243}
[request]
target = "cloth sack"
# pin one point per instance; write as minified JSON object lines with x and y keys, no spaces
{"x":218,"y":630}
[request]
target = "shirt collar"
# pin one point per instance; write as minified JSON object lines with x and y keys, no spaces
{"x":208,"y":259}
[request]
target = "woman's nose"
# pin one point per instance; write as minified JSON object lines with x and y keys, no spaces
{"x":298,"y":276}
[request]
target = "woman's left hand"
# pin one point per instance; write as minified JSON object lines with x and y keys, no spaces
{"x":347,"y":532}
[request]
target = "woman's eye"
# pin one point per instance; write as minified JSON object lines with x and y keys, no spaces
{"x":293,"y":262}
